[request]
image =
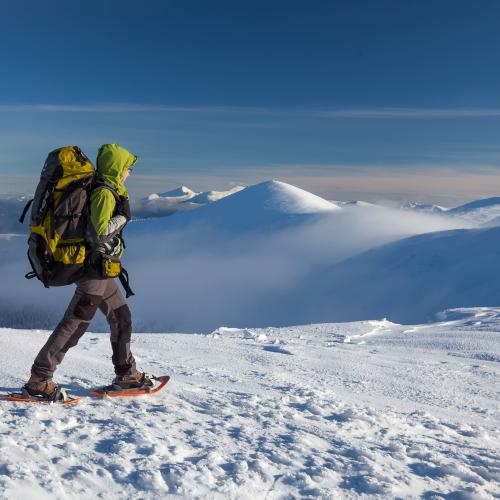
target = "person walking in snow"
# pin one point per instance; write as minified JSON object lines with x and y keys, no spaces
{"x":109,"y":213}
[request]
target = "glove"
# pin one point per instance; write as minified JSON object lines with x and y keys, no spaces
{"x":124,"y":208}
{"x":114,"y":247}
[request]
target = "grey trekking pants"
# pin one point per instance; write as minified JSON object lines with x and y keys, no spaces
{"x":90,"y":294}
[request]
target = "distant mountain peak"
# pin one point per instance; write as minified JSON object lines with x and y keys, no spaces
{"x":178,"y":191}
{"x":286,"y":198}
{"x":210,"y":196}
{"x":423,"y":207}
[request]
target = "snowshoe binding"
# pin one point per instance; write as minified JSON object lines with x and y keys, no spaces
{"x":133,"y":381}
{"x":41,"y":390}
{"x":136,"y":384}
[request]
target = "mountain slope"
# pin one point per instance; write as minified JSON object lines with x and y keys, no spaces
{"x":478,"y":211}
{"x":412,"y":279}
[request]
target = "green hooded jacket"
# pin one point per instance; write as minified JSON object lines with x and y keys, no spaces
{"x":112,"y":163}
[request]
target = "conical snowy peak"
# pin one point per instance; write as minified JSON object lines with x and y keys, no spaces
{"x":277,"y":196}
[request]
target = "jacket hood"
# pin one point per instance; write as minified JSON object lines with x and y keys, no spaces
{"x":112,"y":162}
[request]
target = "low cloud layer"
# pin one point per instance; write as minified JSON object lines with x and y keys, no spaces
{"x":197,"y":279}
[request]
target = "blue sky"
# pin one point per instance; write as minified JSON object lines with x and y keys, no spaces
{"x":373,"y":99}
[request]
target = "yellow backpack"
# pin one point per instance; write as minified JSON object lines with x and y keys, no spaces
{"x":59,"y":214}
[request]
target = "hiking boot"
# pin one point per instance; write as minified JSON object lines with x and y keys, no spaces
{"x":133,"y":380}
{"x":44,"y":387}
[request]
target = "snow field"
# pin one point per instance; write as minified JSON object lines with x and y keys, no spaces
{"x":367,"y":409}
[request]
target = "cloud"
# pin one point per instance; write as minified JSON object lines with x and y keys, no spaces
{"x":354,"y":113}
{"x":198,"y":278}
{"x":396,"y":113}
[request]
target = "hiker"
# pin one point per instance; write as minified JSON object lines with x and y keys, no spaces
{"x":109,"y":213}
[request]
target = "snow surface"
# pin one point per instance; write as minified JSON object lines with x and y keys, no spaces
{"x":356,"y":410}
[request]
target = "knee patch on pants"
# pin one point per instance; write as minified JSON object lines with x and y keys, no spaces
{"x":123,"y":323}
{"x":86,"y":307}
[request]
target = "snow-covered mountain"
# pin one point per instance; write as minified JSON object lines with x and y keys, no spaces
{"x":181,"y":191}
{"x":412,"y":279}
{"x":422,"y":207}
{"x":179,"y":199}
{"x":244,"y":259}
{"x":268,"y":205}
{"x":479,"y":211}
{"x":355,"y":203}
{"x":211,"y":196}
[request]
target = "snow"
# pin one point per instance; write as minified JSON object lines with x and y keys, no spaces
{"x":412,"y":279}
{"x":356,"y":203}
{"x":267,"y":205}
{"x":367,"y":409}
{"x":373,"y":408}
{"x":211,"y":196}
{"x":179,"y":199}
{"x":179,"y":191}
{"x":479,"y":211}
{"x":259,"y":257}
{"x":422,"y":207}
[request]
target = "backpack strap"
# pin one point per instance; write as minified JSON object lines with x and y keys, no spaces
{"x":25,"y":211}
{"x":101,"y":184}
{"x":123,"y":276}
{"x":124,"y":280}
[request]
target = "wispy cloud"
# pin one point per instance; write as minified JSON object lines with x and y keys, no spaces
{"x":127,"y":108}
{"x":325,"y":113}
{"x":410,"y":113}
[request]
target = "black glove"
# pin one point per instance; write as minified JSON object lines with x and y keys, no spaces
{"x":124,"y":208}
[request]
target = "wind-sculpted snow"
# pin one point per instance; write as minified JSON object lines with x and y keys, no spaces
{"x":355,"y":410}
